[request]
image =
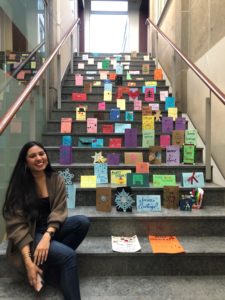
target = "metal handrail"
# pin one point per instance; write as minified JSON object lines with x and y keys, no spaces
{"x":13,"y":109}
{"x":194,"y":68}
{"x":21,"y":65}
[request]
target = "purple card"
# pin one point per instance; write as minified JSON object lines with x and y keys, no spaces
{"x":167,"y":124}
{"x":65,"y":157}
{"x":173,"y":155}
{"x":180,"y":123}
{"x":113,"y":159}
{"x":130,"y":138}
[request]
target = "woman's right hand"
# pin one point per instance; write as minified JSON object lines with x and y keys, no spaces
{"x":32,"y":272}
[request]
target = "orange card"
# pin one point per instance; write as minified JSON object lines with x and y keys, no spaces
{"x":142,"y":167}
{"x":66,"y":125}
{"x":165,"y":244}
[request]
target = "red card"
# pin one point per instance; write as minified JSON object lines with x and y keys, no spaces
{"x":107,"y":128}
{"x":115,"y":143}
{"x":79,"y":96}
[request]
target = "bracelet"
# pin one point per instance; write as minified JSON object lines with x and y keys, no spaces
{"x":27,"y":255}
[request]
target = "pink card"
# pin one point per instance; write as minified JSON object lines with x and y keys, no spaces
{"x":164,"y":141}
{"x":91,"y":125}
{"x":78,"y":80}
{"x":149,"y":94}
{"x":101,"y":106}
{"x":66,"y":125}
{"x":137,"y":105}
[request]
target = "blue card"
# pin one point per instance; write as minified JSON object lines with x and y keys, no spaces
{"x":101,"y":172}
{"x":71,"y":195}
{"x":170,"y":102}
{"x":146,"y":203}
{"x":193,"y":180}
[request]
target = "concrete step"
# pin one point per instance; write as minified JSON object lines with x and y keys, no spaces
{"x":126,"y":288}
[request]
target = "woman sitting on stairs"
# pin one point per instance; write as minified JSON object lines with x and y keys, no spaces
{"x":42,"y":239}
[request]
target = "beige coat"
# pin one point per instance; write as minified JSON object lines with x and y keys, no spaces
{"x":20,"y":232}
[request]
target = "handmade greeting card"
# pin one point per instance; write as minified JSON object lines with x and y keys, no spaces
{"x":112,"y":76}
{"x":124,"y":199}
{"x":145,"y":69}
{"x":131,"y":158}
{"x":180,"y":123}
{"x":79,"y":96}
{"x":193,"y":180}
{"x":173,"y":155}
{"x":80,"y":113}
{"x":92,"y":125}
{"x":148,"y":122}
{"x":188,"y":154}
{"x":104,"y":199}
{"x":119,"y":176}
{"x":129,"y":116}
{"x":155,"y":155}
{"x":162,"y":180}
{"x":120,"y":127}
{"x":105,"y":64}
{"x":149,"y":95}
{"x":163,"y":95}
{"x":154,"y":106}
{"x":107,"y":96}
{"x":85,"y":141}
{"x":167,"y":124}
{"x":138,"y":180}
{"x":66,"y":125}
{"x":164,"y":140}
{"x":78,"y":80}
{"x":130,"y":137}
{"x":191,"y":136}
{"x":170,"y":102}
{"x":115,"y":142}
{"x":146,"y":110}
{"x":148,"y":203}
{"x":101,"y":172}
{"x":171,"y":196}
{"x":142,"y":167}
{"x":158,"y":74}
{"x":107,"y":128}
{"x":137,"y":105}
{"x":133,"y":94}
{"x":113,"y":159}
{"x":121,"y":104}
{"x":148,"y":138}
{"x":65,"y":155}
{"x":178,"y":137}
{"x":101,"y":106}
{"x":67,"y":140}
{"x":87,"y":87}
{"x":172,"y":112}
{"x":119,"y":69}
{"x":97,"y":143}
{"x":88,"y":181}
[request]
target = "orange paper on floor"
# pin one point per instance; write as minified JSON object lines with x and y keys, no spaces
{"x":165,"y":244}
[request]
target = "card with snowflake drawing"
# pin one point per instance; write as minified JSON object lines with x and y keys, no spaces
{"x":124,"y":199}
{"x":125,"y":244}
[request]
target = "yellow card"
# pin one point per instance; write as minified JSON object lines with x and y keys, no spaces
{"x":80,"y":114}
{"x":148,"y":122}
{"x":88,"y":181}
{"x":33,"y":65}
{"x":107,"y":96}
{"x":121,"y":104}
{"x":172,"y":112}
{"x":119,"y":176}
{"x":150,"y":83}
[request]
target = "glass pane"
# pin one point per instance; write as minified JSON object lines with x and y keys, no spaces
{"x":107,"y":38}
{"x":109,"y":6}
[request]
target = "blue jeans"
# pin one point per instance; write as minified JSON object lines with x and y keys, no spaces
{"x":61,"y":262}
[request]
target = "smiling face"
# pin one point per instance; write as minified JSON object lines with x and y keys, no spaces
{"x":36,"y":159}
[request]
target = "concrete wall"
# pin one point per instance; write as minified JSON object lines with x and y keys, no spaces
{"x":197,"y":28}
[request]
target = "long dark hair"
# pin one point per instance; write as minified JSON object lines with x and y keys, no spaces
{"x":21,"y":193}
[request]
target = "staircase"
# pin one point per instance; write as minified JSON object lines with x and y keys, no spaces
{"x":200,"y":231}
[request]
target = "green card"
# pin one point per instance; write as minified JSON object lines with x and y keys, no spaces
{"x":189,"y":154}
{"x":105,"y":64}
{"x":162,"y":180}
{"x":191,"y":136}
{"x":138,"y":179}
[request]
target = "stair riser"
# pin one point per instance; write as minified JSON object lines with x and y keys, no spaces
{"x":53,"y":140}
{"x":87,"y":197}
{"x":135,"y":265}
{"x":111,"y":69}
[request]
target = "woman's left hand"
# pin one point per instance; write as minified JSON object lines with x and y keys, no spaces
{"x":41,"y":251}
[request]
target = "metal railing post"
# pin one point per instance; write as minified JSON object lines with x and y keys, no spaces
{"x":71,"y":49}
{"x":174,"y":83}
{"x":208,"y":174}
{"x":32,"y":120}
{"x":156,"y":49}
{"x":58,"y":81}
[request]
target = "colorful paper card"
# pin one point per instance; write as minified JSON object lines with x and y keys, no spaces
{"x":112,"y":76}
{"x":80,"y":113}
{"x":97,"y":143}
{"x":80,"y":66}
{"x":171,"y":196}
{"x":148,"y":203}
{"x":131,"y":158}
{"x":70,"y":195}
{"x":148,"y":122}
{"x":145,"y":69}
{"x":105,"y":64}
{"x":119,"y":176}
{"x":101,"y":106}
{"x":104,"y":199}
{"x":148,"y":87}
{"x":78,"y":80}
{"x":172,"y":112}
{"x":107,"y":96}
{"x":113,"y":159}
{"x":180,"y":123}
{"x":149,"y":95}
{"x":133,"y":94}
{"x":91,"y":61}
{"x":103,"y":74}
{"x":88,"y":181}
{"x":115,"y":142}
{"x":162,"y":180}
{"x":191,"y":136}
{"x":138,"y":180}
{"x":151,"y":83}
{"x":130,"y":137}
{"x":108,"y":87}
{"x":188,"y":154}
{"x":142,"y":167}
{"x":96,"y":83}
{"x":129,"y":116}
{"x":170,"y":102}
{"x":165,"y":244}
{"x":119,"y":69}
{"x":158,"y":74}
{"x":155,"y":155}
{"x":137,"y":105}
{"x":65,"y":155}
{"x":193,"y":180}
{"x":101,"y":172}
{"x":164,"y":140}
{"x":154,"y":106}
{"x":178,"y":137}
{"x":92,"y":125}
{"x":85,"y":141}
{"x":79,"y":96}
{"x":66,"y":125}
{"x":87,"y":87}
{"x":99,"y":65}
{"x":124,"y":200}
{"x":173,"y":155}
{"x":148,"y":138}
{"x":121,"y":104}
{"x":85,"y":57}
{"x":146,"y":110}
{"x":119,"y":80}
{"x":167,"y":125}
{"x":120,"y":127}
{"x":107,"y":128}
{"x":131,"y":83}
{"x":163,"y":95}
{"x":67,"y":140}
